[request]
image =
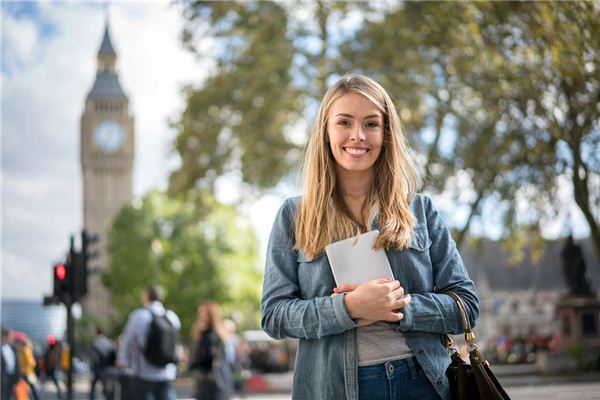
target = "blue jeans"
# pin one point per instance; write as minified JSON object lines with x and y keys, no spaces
{"x":393,"y":380}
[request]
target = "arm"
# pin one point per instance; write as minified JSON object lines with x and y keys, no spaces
{"x":128,"y":339}
{"x":437,"y":312}
{"x":284,"y":313}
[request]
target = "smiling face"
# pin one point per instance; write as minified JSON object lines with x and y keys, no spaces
{"x":355,"y":133}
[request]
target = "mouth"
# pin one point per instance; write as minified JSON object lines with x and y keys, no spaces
{"x":356,"y":151}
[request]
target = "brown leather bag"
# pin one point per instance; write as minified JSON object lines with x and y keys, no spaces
{"x":474,"y":381}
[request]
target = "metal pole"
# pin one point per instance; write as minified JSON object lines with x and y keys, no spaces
{"x":70,"y":325}
{"x":71,"y":343}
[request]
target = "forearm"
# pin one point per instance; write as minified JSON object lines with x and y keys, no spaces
{"x":305,"y":319}
{"x":437,"y":313}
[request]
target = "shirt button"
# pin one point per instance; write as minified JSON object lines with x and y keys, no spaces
{"x":391,"y":368}
{"x":439,"y":382}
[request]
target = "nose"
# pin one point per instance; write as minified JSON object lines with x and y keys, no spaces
{"x":357,"y":134}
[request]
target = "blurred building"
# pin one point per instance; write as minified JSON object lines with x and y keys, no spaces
{"x":107,"y":144}
{"x":520,"y":300}
{"x":34,"y":319}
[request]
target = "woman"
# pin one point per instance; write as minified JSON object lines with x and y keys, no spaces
{"x":212,"y":354}
{"x":381,"y":339}
{"x":27,"y":363}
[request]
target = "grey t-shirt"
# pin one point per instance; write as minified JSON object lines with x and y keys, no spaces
{"x":379,"y":343}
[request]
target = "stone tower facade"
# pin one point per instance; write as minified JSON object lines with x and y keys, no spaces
{"x":107,"y":147}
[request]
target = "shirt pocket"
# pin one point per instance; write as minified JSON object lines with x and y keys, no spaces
{"x":413,"y":265}
{"x":315,"y":278}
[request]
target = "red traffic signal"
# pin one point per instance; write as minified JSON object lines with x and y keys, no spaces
{"x":60,"y":272}
{"x":62,"y":280}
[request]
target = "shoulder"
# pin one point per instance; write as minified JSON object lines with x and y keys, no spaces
{"x":139,"y":316}
{"x":290,"y":206}
{"x":421,"y":206}
{"x":173,"y":318}
{"x":141,"y":313}
{"x":286,"y":214}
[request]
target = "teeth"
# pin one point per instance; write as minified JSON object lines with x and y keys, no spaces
{"x":355,"y":151}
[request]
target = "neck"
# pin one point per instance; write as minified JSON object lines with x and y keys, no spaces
{"x":354,"y":185}
{"x":354,"y":188}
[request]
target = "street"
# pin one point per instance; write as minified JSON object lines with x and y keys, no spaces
{"x":519,"y":384}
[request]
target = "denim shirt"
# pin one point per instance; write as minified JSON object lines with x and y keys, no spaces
{"x":297,"y":303}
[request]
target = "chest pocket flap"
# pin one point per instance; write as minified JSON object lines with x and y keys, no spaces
{"x":420,"y":238}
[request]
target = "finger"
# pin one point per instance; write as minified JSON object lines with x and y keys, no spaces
{"x":382,"y":280}
{"x":346,"y":287}
{"x":397,"y":293}
{"x":394,"y":316}
{"x":402,"y":302}
{"x":392,"y":284}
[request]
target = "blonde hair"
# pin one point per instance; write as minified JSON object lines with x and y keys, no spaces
{"x":323,"y":216}
{"x":214,"y":321}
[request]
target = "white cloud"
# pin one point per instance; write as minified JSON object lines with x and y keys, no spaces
{"x":20,"y":37}
{"x":46,"y":77}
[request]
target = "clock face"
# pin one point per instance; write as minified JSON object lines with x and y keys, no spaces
{"x":109,"y":136}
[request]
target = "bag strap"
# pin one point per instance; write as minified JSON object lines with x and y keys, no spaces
{"x":469,"y":334}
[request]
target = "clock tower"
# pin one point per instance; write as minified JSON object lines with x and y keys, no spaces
{"x":107,"y":163}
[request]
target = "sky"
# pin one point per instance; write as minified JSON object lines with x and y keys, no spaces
{"x":48,"y":65}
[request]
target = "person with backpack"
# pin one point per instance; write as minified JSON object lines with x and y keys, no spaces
{"x":212,"y":354}
{"x":52,"y":357}
{"x":149,"y":346}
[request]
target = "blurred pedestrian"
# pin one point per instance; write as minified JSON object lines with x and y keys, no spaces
{"x":148,"y":346}
{"x":103,"y":357}
{"x":52,"y":358}
{"x":212,"y":354}
{"x":27,"y":363}
{"x":10,"y":368}
{"x":384,"y":335}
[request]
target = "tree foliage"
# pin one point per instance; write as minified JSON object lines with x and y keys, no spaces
{"x":502,"y":95}
{"x":516,"y":84}
{"x":237,"y":120}
{"x":194,"y":255}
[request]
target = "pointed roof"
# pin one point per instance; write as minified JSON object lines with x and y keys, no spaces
{"x":106,"y":84}
{"x":106,"y":47}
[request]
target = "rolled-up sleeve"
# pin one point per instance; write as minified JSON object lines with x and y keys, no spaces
{"x":284,"y":313}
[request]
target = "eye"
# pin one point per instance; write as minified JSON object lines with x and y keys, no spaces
{"x":344,"y":122}
{"x":372,"y":124}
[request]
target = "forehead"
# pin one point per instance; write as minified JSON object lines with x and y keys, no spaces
{"x":354,"y":104}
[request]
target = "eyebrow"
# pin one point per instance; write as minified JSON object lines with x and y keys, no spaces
{"x":351,"y":116}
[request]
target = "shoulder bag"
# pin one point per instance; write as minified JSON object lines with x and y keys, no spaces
{"x":474,"y":381}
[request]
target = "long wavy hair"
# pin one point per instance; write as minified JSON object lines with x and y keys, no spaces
{"x":323,"y":216}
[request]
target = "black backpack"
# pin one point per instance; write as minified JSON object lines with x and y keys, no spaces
{"x":161,"y":342}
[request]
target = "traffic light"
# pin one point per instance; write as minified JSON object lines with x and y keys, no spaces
{"x":62,"y":280}
{"x":81,"y":263}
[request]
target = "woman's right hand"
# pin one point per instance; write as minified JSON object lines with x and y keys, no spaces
{"x":378,"y":299}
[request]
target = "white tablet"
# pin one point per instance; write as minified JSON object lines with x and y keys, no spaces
{"x":354,"y":261}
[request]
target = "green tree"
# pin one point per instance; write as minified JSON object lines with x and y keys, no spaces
{"x":236,"y":121}
{"x":207,"y":251}
{"x":515,"y":88}
{"x":272,"y":62}
{"x":502,"y":95}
